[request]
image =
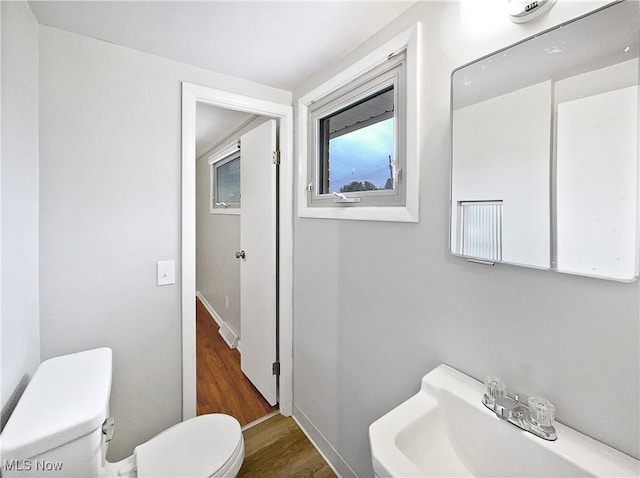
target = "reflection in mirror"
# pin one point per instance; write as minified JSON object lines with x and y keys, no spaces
{"x":545,"y":167}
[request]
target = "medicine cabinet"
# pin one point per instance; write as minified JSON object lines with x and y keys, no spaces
{"x":544,"y":153}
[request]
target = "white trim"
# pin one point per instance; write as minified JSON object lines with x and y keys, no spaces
{"x":324,"y":447}
{"x":216,"y":317}
{"x":225,"y":152}
{"x":191,"y":94}
{"x":233,"y":211}
{"x":411,"y":40}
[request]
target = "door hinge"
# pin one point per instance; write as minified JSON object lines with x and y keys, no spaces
{"x":275,"y":368}
{"x":276,"y":158}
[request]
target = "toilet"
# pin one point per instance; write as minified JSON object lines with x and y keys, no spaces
{"x":61,"y":427}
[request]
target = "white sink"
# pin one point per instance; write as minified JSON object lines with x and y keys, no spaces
{"x":445,"y":430}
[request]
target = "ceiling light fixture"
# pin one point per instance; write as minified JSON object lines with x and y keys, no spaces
{"x":523,"y":11}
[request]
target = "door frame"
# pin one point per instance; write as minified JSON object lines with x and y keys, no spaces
{"x":192,"y":94}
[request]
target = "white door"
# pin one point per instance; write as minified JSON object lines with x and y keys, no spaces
{"x":258,"y":230}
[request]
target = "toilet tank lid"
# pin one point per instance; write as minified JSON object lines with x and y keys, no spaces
{"x":68,"y":397}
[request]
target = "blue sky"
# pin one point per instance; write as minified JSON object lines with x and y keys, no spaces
{"x":362,"y":155}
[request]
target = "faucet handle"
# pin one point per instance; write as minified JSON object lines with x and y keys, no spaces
{"x":541,"y":411}
{"x":494,"y":388}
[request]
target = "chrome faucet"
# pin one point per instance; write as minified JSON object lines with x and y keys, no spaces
{"x":536,"y":416}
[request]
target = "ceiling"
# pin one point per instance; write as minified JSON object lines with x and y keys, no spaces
{"x":214,"y":124}
{"x":276,"y":43}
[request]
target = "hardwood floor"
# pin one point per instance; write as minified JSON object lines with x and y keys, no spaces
{"x":221,"y":385}
{"x":278,"y":448}
{"x":275,"y":447}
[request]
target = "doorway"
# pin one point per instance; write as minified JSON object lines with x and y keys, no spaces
{"x":221,"y":385}
{"x":191,"y":96}
{"x":236,"y":267}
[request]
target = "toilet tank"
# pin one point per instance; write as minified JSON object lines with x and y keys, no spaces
{"x":56,"y":427}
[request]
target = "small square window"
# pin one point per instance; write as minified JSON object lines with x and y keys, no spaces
{"x":225,"y":179}
{"x":228,"y":182}
{"x":357,"y":140}
{"x":358,"y":137}
{"x":356,"y":147}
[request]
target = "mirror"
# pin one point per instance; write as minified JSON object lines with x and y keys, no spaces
{"x":545,"y":169}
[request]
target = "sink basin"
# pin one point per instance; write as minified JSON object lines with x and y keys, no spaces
{"x":445,"y":430}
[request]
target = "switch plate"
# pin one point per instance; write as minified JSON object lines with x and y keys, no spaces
{"x":166,"y":272}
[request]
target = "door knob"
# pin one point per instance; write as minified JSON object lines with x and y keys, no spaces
{"x":240,"y":254}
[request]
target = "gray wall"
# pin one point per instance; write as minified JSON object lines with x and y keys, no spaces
{"x":20,"y":328}
{"x":217,"y":269}
{"x":378,"y":305}
{"x":217,"y":240}
{"x":110,"y":126}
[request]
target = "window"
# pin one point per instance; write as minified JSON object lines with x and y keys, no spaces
{"x":356,"y":140}
{"x":225,"y":179}
{"x":354,"y":146}
{"x":227,"y":182}
{"x":359,"y":133}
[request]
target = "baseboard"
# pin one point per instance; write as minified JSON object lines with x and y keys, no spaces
{"x":216,"y":316}
{"x":326,"y":450}
{"x":210,"y":309}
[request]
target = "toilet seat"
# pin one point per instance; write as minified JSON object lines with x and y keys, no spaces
{"x":204,"y":446}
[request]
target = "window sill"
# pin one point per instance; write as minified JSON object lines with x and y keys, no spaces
{"x":230,"y":211}
{"x":375,"y":213}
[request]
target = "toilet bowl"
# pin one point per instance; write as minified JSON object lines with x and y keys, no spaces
{"x":61,"y":427}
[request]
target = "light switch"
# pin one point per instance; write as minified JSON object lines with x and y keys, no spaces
{"x":166,"y":272}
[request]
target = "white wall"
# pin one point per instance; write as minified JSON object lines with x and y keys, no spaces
{"x":501,"y":152}
{"x":378,"y":305}
{"x":217,"y":269}
{"x":110,"y":208}
{"x":603,"y":156}
{"x":597,"y":184}
{"x":20,"y":329}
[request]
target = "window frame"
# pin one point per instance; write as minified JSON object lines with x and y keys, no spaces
{"x":367,"y":75}
{"x":390,"y":74}
{"x":224,"y":156}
